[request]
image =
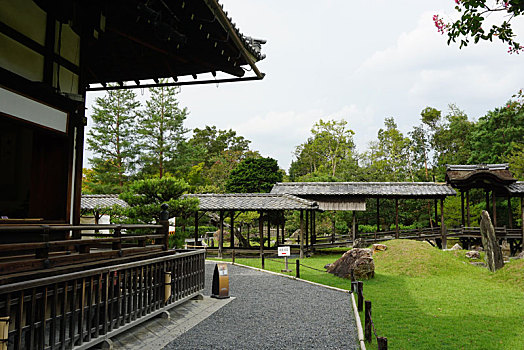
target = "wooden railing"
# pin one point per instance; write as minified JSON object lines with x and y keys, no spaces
{"x":46,"y":253}
{"x":78,"y":310}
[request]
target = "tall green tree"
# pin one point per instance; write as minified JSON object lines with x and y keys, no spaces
{"x":161,"y":130}
{"x":214,"y":142}
{"x":329,"y":151}
{"x":498,"y":134}
{"x":112,"y":139}
{"x":254,"y":175}
{"x":388,"y":156}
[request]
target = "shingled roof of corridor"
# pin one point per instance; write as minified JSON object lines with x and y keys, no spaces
{"x":252,"y":201}
{"x":366,"y":189}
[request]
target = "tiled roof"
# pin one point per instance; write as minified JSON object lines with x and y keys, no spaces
{"x":462,"y":173}
{"x":93,"y":201}
{"x":516,"y":188}
{"x":365,"y":189}
{"x":254,"y":46}
{"x":252,"y":201}
{"x":473,"y":167}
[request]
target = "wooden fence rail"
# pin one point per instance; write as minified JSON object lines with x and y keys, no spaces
{"x":53,"y":251}
{"x":79,"y":310}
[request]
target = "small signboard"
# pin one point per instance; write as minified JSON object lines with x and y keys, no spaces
{"x":284,"y":251}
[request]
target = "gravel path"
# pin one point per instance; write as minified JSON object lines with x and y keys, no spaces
{"x":273,"y":312}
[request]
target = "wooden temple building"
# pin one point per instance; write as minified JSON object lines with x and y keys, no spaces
{"x":60,"y":287}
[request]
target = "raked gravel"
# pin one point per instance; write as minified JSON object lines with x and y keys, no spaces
{"x":273,"y":312}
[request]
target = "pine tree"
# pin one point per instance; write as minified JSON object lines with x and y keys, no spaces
{"x":112,"y":140}
{"x":161,"y":131}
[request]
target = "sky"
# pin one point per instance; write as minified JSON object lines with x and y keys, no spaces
{"x":360,"y":61}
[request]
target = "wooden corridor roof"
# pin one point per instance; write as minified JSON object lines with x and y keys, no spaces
{"x":97,"y":201}
{"x":253,"y":201}
{"x":365,"y":189}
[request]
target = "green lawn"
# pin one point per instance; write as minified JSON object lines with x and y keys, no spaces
{"x":424,"y":298}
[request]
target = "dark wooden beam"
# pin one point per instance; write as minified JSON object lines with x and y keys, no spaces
{"x":307,"y":228}
{"x":301,"y":234}
{"x":467,"y":209}
{"x":378,"y":214}
{"x":261,"y":231}
{"x":442,"y":226}
{"x":396,"y":218}
{"x":196,"y":229}
{"x":354,"y":226}
{"x":221,"y":235}
{"x":268,"y":231}
{"x":462,"y":208}
{"x":510,"y":213}
{"x":494,"y":200}
{"x":232,"y":229}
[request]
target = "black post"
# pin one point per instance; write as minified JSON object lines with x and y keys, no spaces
{"x":164,"y":221}
{"x":367,"y":321}
{"x":263,"y":262}
{"x":297,"y":268}
{"x":360,"y":295}
{"x":382,"y":343}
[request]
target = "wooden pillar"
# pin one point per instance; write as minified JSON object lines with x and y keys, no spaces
{"x":462,"y":208}
{"x":221,"y":235}
{"x":261,"y":231}
{"x":232,"y":238}
{"x":354,"y":226}
{"x":277,"y":239}
{"x":396,"y":218}
{"x":333,"y":228}
{"x":442,"y":226}
{"x":307,"y":228}
{"x":283,"y":228}
{"x":378,"y":214}
{"x":467,"y":209}
{"x":510,"y":213}
{"x":268,"y":231}
{"x":436,"y":212}
{"x":196,"y":229}
{"x":313,"y":228}
{"x":301,"y":234}
{"x":494,"y":200}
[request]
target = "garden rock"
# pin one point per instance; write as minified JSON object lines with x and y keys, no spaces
{"x":360,"y":260}
{"x":359,"y":243}
{"x":520,"y":256}
{"x":473,"y":254}
{"x":378,"y":248}
{"x":456,"y":247}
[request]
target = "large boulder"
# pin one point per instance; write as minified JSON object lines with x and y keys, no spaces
{"x":360,"y":260}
